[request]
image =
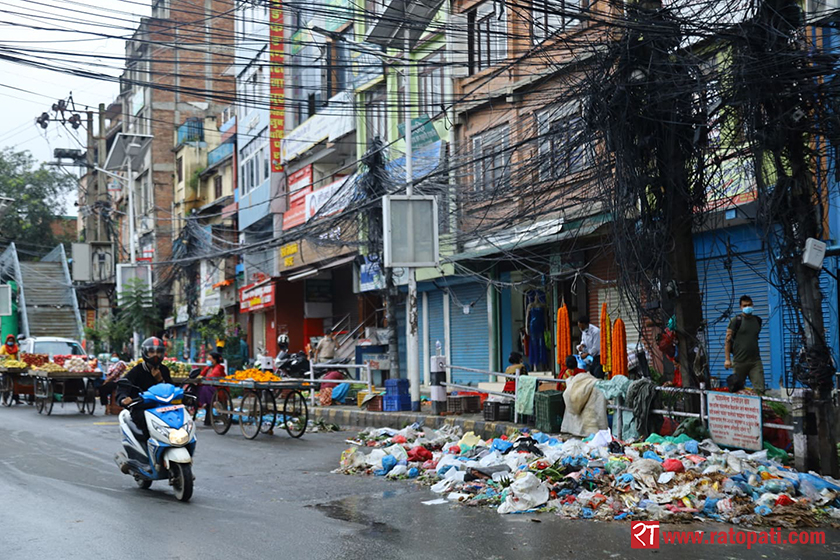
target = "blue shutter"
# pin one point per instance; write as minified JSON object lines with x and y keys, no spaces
{"x":403,"y":349}
{"x":436,"y":324}
{"x":470,"y":333}
{"x":722,"y":288}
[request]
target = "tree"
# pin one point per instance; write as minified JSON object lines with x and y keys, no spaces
{"x":138,"y":312}
{"x":37,"y":195}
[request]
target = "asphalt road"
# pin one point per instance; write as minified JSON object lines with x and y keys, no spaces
{"x":62,"y":497}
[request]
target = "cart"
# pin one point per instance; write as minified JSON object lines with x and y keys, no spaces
{"x":15,"y":382}
{"x":71,"y":386}
{"x":258,"y":409}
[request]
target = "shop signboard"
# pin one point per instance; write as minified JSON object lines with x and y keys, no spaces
{"x":370,"y":276}
{"x":735,"y":420}
{"x":182,"y":315}
{"x":378,"y":361}
{"x":329,"y":200}
{"x":296,"y":214}
{"x":169,"y":322}
{"x":423,"y":132}
{"x":336,"y":120}
{"x":256,"y":297}
{"x":277,"y":86}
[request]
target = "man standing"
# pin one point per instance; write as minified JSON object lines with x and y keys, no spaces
{"x":742,"y":345}
{"x":325,"y":351}
{"x":590,"y":345}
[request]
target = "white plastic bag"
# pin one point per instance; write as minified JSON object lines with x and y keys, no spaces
{"x":526,"y":492}
{"x":398,"y":470}
{"x":374,"y":460}
{"x":601,"y":439}
{"x":398,"y":451}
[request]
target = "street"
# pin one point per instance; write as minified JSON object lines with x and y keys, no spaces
{"x":274,"y":497}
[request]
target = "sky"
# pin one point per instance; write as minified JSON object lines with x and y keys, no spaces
{"x":42,"y":86}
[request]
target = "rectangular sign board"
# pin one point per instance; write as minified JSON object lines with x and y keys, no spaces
{"x":735,"y":420}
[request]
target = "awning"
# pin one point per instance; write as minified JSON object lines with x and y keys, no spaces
{"x":538,"y":233}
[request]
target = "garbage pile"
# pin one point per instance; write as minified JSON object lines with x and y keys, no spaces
{"x":673,"y":479}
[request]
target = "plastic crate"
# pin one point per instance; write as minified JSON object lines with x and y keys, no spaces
{"x":495,"y":411}
{"x":375,"y":404}
{"x":454,"y":404}
{"x":396,"y":387}
{"x":396,"y":403}
{"x":463,"y":404}
{"x":549,"y":408}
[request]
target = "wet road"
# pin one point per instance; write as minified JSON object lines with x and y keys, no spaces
{"x":62,"y":497}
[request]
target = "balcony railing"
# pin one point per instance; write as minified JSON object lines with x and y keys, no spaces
{"x":219,"y":153}
{"x":191,"y":131}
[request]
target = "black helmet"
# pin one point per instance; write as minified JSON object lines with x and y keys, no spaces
{"x":153,"y":351}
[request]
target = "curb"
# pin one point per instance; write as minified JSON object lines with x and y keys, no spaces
{"x":348,"y":418}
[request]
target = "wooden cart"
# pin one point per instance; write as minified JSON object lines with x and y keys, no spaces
{"x":64,"y":387}
{"x":15,"y":382}
{"x":257,"y":411}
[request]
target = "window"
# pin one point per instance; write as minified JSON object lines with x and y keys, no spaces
{"x":487,"y":35}
{"x":179,"y":168}
{"x":266,"y":163}
{"x":562,"y":147}
{"x":253,"y":159}
{"x":337,"y":69}
{"x":492,"y":159}
{"x":431,"y":80}
{"x":553,"y":16}
{"x":376,"y":107}
{"x":217,"y":187}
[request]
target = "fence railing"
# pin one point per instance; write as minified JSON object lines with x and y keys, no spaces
{"x":362,"y":367}
{"x":616,"y":404}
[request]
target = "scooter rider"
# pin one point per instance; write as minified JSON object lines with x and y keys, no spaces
{"x":142,"y":377}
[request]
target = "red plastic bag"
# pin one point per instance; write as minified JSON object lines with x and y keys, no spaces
{"x":399,"y":439}
{"x":673,"y":465}
{"x":784,"y":500}
{"x":419,"y":454}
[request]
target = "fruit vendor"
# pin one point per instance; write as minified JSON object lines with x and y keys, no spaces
{"x":10,"y":349}
{"x":213,"y":369}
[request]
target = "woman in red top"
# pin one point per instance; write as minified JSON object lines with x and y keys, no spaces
{"x":213,"y":369}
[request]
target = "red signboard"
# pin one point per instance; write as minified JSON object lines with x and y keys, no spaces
{"x":256,"y":297}
{"x":277,"y":95}
{"x":296,"y":214}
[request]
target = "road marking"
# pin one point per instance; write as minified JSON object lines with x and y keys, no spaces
{"x":106,"y":423}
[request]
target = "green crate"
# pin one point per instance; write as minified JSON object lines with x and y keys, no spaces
{"x":549,"y":408}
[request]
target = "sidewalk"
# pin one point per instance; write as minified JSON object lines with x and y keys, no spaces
{"x":351,"y":417}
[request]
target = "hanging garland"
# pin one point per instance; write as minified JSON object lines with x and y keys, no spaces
{"x":619,"y":348}
{"x":606,"y":339}
{"x":564,"y":336}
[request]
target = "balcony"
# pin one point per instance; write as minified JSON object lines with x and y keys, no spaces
{"x":191,"y":131}
{"x":219,"y":153}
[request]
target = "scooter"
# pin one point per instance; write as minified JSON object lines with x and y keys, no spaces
{"x":167,"y":455}
{"x":294,"y":365}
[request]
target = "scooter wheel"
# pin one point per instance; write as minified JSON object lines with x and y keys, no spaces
{"x":143,"y":484}
{"x":182,"y":481}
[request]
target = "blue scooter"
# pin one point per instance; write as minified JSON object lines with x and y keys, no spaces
{"x":167,"y":454}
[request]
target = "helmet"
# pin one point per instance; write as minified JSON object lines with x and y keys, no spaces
{"x":283,"y":342}
{"x":153,"y":351}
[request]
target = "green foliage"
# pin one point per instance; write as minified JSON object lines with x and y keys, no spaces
{"x":138,"y":312}
{"x":37,"y":195}
{"x":109,"y":334}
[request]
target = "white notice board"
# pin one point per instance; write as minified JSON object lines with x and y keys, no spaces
{"x":735,"y":420}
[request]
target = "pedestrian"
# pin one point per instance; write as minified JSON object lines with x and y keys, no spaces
{"x":213,"y":369}
{"x":570,"y":371}
{"x":590,"y":346}
{"x":10,"y":349}
{"x":115,"y":371}
{"x":741,"y":352}
{"x":325,"y":351}
{"x":515,"y":360}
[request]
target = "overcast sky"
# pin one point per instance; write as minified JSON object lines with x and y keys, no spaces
{"x":20,"y":109}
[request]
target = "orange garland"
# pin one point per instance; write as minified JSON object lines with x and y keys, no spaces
{"x":619,"y":349}
{"x":564,"y":336}
{"x":606,"y":339}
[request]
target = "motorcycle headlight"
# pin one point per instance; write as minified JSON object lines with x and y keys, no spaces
{"x":162,"y":429}
{"x":179,"y":437}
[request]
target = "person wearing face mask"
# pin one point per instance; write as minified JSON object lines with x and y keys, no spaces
{"x":10,"y":349}
{"x":741,"y":350}
{"x":214,"y":369}
{"x":590,"y":345}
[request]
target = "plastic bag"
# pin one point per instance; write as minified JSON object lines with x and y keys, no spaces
{"x":398,"y":470}
{"x":397,"y":451}
{"x":388,"y":463}
{"x":419,"y":454}
{"x":673,"y":465}
{"x":374,"y":460}
{"x":351,"y":458}
{"x":818,"y":482}
{"x":501,"y":445}
{"x":443,"y":486}
{"x":469,"y":441}
{"x":526,"y":492}
{"x":601,"y":439}
{"x":652,"y":456}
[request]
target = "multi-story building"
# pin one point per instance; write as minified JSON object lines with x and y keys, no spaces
{"x":175,"y":71}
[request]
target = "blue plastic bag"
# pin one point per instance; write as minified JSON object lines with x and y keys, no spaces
{"x":692,"y":447}
{"x":413,"y":472}
{"x":652,"y":455}
{"x":501,"y":445}
{"x":818,"y":483}
{"x":388,"y":463}
{"x":540,"y":437}
{"x":762,"y":510}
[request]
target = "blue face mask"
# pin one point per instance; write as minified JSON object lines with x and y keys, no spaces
{"x":748,"y":310}
{"x":209,"y":363}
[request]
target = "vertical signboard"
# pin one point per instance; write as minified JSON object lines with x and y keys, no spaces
{"x":276,"y":56}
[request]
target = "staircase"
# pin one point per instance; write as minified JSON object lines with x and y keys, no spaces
{"x":51,"y":307}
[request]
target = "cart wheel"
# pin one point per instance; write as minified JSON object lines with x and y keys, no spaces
{"x":90,"y":397}
{"x":49,"y":399}
{"x":250,"y":415}
{"x":269,"y":410}
{"x":38,"y":392}
{"x":221,"y":410}
{"x":6,"y":387}
{"x":295,"y":414}
{"x":81,"y":400}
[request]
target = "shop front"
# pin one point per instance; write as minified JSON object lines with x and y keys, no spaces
{"x":257,"y":301}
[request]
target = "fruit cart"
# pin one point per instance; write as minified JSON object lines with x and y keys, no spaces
{"x":14,"y":382}
{"x":54,"y":383}
{"x":257,"y":410}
